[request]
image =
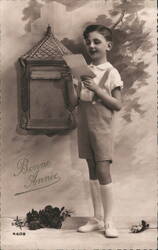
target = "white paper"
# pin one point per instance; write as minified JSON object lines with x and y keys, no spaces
{"x":78,"y":66}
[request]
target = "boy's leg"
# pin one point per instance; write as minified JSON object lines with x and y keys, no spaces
{"x":95,"y":190}
{"x":103,"y":172}
{"x":104,"y":176}
{"x":97,"y":222}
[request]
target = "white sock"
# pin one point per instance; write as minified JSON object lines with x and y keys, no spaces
{"x":107,"y":199}
{"x":96,"y":199}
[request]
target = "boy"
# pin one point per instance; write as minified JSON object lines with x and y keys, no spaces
{"x":98,"y":99}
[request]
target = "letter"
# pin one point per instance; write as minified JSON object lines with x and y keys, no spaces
{"x":22,"y":166}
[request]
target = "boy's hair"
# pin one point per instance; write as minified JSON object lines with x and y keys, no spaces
{"x":103,"y":30}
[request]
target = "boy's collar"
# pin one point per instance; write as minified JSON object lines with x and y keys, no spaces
{"x":100,"y":66}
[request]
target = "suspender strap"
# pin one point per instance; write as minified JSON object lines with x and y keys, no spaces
{"x":102,"y":81}
{"x":104,"y":77}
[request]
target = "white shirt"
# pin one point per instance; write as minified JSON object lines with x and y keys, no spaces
{"x":113,"y":80}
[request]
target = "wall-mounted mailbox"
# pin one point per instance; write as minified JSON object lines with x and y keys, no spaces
{"x":43,"y":86}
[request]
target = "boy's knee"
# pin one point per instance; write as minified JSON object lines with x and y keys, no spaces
{"x":103,"y":172}
{"x":103,"y":166}
{"x":92,"y":174}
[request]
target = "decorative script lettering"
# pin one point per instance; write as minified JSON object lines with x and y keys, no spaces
{"x":35,"y":175}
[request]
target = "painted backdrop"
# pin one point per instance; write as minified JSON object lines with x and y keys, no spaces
{"x":133,"y":54}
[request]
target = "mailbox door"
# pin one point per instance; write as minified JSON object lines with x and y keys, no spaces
{"x":47,"y":100}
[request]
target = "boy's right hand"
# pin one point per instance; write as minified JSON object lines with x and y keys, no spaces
{"x":89,"y":83}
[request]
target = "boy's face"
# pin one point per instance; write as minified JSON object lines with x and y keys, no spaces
{"x":97,"y":45}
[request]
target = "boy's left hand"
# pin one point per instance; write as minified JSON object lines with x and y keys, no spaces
{"x":89,"y":83}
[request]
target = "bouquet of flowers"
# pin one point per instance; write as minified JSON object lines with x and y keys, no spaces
{"x":50,"y":217}
{"x":139,"y":227}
